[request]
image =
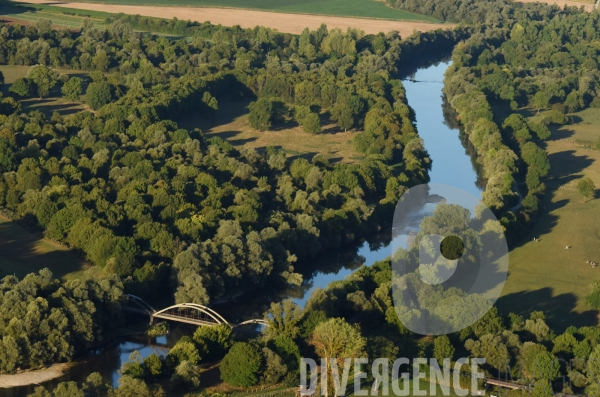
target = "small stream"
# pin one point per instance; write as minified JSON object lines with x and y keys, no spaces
{"x":452,"y":165}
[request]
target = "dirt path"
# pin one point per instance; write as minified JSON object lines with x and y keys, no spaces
{"x":288,"y":23}
{"x":33,"y":377}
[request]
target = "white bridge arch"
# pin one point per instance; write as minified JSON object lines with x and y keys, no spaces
{"x":189,"y":313}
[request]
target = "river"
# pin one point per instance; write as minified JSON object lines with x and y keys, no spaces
{"x":452,"y":165}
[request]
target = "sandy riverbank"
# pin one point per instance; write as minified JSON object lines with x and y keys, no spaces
{"x":34,"y":377}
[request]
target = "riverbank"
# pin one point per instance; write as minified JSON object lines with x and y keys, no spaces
{"x":34,"y":377}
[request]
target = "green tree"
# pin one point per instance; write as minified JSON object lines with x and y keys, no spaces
{"x":72,"y":89}
{"x":215,"y":340}
{"x":183,"y":351}
{"x":284,"y":319}
{"x":44,"y":79}
{"x":442,"y":348}
{"x":586,"y":188}
{"x":593,"y":299}
{"x":241,"y":366}
{"x":98,"y":94}
{"x":186,"y":376}
{"x":312,"y":123}
{"x":260,"y":114}
{"x":21,"y":87}
{"x":337,"y":339}
{"x":275,"y":368}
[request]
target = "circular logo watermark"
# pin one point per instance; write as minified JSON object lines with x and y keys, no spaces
{"x":449,"y":259}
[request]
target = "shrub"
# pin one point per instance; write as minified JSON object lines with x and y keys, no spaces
{"x":241,"y":365}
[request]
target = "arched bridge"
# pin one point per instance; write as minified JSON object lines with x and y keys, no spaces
{"x":189,"y":313}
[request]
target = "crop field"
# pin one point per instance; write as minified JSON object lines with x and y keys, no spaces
{"x":24,"y":253}
{"x":347,"y":8}
{"x":282,"y":20}
{"x":54,"y":103}
{"x":60,"y":19}
{"x":231,"y":124}
{"x":544,"y":275}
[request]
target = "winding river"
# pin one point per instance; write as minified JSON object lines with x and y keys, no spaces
{"x":452,"y":165}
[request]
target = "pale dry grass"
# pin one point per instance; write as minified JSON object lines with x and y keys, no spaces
{"x":231,"y":124}
{"x":287,"y":23}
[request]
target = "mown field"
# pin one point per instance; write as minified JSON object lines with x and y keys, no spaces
{"x":53,"y":103}
{"x":544,"y":275}
{"x":346,"y":8}
{"x":22,"y":252}
{"x":231,"y":124}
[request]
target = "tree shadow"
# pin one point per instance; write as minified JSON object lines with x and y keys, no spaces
{"x":560,"y":310}
{"x":24,"y":253}
{"x":566,"y":163}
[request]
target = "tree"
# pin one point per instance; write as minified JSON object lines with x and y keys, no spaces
{"x":241,"y":365}
{"x":260,"y":114}
{"x":586,"y":188}
{"x":312,"y":123}
{"x":216,"y":340}
{"x":44,"y":78}
{"x":183,"y":351}
{"x":275,"y":368}
{"x":186,"y":376}
{"x":21,"y":87}
{"x":442,"y":348}
{"x":337,"y":339}
{"x":343,"y":116}
{"x":593,"y":299}
{"x":284,"y":319}
{"x":71,"y":90}
{"x":98,"y":94}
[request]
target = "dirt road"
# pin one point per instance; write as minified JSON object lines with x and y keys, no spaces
{"x":287,"y":23}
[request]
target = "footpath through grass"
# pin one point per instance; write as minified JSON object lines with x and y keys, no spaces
{"x":22,"y":253}
{"x":544,"y":275}
{"x":343,"y":8}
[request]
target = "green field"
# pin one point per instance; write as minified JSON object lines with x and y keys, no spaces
{"x":544,"y":275}
{"x":54,"y":103}
{"x":346,"y":8}
{"x":22,"y":253}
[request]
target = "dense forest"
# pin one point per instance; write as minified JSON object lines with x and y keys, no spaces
{"x":136,"y":193}
{"x":146,"y":201}
{"x":172,"y":212}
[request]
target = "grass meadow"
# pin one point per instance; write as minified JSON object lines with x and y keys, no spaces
{"x":544,"y":275}
{"x":24,"y":253}
{"x":53,"y":103}
{"x":343,"y":8}
{"x":231,"y":124}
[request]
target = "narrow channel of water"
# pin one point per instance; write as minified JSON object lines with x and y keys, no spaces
{"x":452,"y":165}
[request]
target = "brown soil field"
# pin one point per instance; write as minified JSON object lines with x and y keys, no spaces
{"x":287,"y":23}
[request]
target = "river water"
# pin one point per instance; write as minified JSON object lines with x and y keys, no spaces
{"x":452,"y":165}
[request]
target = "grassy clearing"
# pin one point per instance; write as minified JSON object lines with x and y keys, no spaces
{"x":54,"y":103}
{"x":231,"y":124}
{"x":22,"y":253}
{"x":544,"y":275}
{"x":344,"y":8}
